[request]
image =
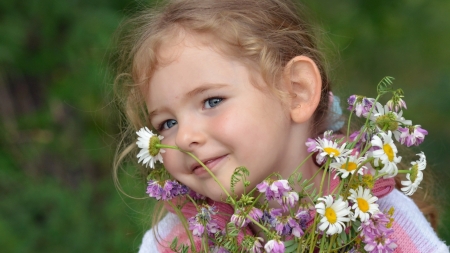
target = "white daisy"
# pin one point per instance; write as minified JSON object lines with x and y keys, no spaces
{"x":149,"y":153}
{"x":364,"y":203}
{"x":345,"y":167}
{"x":386,"y":154}
{"x":334,"y":214}
{"x":331,"y":149}
{"x":416,"y":175}
{"x":384,"y":117}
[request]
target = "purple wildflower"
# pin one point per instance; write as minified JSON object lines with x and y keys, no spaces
{"x":281,"y":225}
{"x":396,"y":104}
{"x":276,"y":190}
{"x":289,"y":199}
{"x":196,"y":196}
{"x":219,"y":249}
{"x":240,"y":219}
{"x":202,"y":220}
{"x":196,"y":227}
{"x":257,"y":245}
{"x":376,"y":224}
{"x":413,"y":135}
{"x":279,"y":187}
{"x":263,"y":187}
{"x":286,"y":225}
{"x":304,"y":217}
{"x":377,"y":235}
{"x":380,"y":244}
{"x":312,"y":145}
{"x":360,"y":105}
{"x":212,"y":227}
{"x":267,"y":217}
{"x":362,"y":140}
{"x":165,"y":190}
{"x":297,"y":231}
{"x":253,"y":244}
{"x":351,"y":101}
{"x":255,"y":213}
{"x":274,"y":246}
{"x":154,"y":189}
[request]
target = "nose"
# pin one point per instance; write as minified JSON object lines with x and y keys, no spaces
{"x":189,"y":136}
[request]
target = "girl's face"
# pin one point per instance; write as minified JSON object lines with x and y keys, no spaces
{"x":205,"y":103}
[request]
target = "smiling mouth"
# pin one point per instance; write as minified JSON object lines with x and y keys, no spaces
{"x":211,"y":163}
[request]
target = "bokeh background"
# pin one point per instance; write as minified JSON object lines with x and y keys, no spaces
{"x":58,"y":126}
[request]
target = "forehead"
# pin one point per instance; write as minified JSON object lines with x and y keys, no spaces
{"x":191,"y":57}
{"x":189,"y":62}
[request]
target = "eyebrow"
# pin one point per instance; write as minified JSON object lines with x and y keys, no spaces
{"x":205,"y":87}
{"x":199,"y":90}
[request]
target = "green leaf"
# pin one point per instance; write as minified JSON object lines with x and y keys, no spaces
{"x":299,"y":177}
{"x":385,"y":85}
{"x":290,"y":246}
{"x":174,"y":244}
{"x":240,"y":173}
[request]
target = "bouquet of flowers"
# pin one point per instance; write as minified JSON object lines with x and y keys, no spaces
{"x":348,"y":219}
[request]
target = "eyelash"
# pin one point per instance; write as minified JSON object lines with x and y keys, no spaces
{"x":211,"y":98}
{"x":161,"y":125}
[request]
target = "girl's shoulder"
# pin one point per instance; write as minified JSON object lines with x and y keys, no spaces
{"x":411,"y":229}
{"x":155,"y":237}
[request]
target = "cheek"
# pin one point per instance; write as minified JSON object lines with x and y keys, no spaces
{"x":234,"y":123}
{"x":171,"y":163}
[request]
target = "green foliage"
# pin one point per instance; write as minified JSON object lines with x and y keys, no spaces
{"x":385,"y":85}
{"x":239,"y":174}
{"x":57,"y":131}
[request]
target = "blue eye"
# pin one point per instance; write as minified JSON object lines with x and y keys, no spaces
{"x":212,"y":102}
{"x":168,"y":124}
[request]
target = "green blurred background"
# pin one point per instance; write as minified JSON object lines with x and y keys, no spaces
{"x":58,"y":127}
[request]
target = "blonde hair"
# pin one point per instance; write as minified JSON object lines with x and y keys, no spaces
{"x":265,"y":33}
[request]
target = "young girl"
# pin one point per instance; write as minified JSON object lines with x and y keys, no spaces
{"x":235,"y":83}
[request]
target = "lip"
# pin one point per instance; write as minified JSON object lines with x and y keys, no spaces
{"x":197,"y":169}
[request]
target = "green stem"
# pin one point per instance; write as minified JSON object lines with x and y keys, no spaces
{"x":192,"y":200}
{"x":327,"y":164}
{"x":203,"y":165}
{"x":356,"y":172}
{"x":301,"y":164}
{"x":258,"y":224}
{"x":348,"y":125}
{"x":185,"y":225}
{"x":380,"y":175}
{"x":315,"y":175}
{"x":205,"y":243}
{"x":365,"y":124}
{"x":404,"y":171}
{"x":314,"y":236}
{"x":330,"y":245}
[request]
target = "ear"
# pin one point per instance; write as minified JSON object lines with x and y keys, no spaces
{"x":303,"y":82}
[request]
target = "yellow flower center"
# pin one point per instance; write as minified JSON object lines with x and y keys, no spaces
{"x":152,"y":148}
{"x":368,"y":180}
{"x":414,"y":173}
{"x":387,"y":122}
{"x":331,"y":215}
{"x":363,"y":204}
{"x":332,"y":151}
{"x":350,"y":166}
{"x":389,"y":152}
